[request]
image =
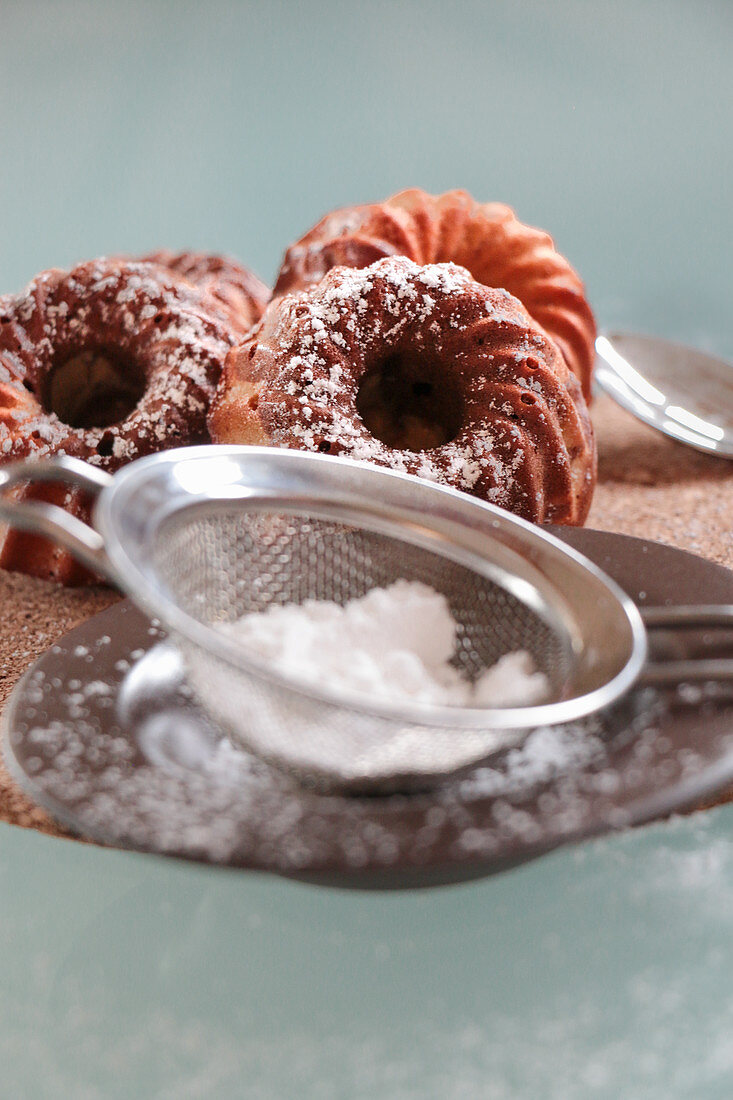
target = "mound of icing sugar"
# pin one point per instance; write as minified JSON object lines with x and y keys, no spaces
{"x":394,"y":644}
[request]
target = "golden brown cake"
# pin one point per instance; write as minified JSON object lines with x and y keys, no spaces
{"x":423,"y":370}
{"x":485,"y":238}
{"x":107,"y":362}
{"x":235,"y":290}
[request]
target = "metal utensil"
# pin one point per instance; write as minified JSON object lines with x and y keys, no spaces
{"x":201,"y":536}
{"x":682,"y":392}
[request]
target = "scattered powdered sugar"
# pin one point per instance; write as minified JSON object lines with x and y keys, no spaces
{"x":139,"y":763}
{"x":395,"y":643}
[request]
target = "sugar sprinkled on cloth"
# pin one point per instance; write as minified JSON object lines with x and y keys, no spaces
{"x":394,"y":643}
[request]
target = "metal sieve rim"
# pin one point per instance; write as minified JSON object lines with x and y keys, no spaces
{"x":146,"y":493}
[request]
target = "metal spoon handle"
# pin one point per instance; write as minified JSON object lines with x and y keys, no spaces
{"x":718,"y":616}
{"x":675,"y":621}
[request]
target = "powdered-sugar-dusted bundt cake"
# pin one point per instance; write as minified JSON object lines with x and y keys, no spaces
{"x":108,"y":362}
{"x":485,"y":238}
{"x":421,"y":369}
{"x":235,"y":290}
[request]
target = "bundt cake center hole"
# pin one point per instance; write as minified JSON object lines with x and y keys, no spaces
{"x":410,"y":403}
{"x":94,"y":388}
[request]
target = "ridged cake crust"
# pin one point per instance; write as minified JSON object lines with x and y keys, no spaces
{"x":521,"y":435}
{"x":235,"y":290}
{"x":485,"y":238}
{"x":142,"y":321}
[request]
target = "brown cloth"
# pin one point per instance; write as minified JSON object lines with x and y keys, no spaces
{"x":648,"y":486}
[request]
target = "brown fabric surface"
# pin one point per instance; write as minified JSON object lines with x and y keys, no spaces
{"x":654,"y":488}
{"x":648,"y":486}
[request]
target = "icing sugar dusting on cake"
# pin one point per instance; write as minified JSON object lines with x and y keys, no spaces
{"x":422,"y":370}
{"x":161,"y":324}
{"x":353,"y":314}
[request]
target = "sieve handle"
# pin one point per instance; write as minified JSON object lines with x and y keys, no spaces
{"x":675,"y":621}
{"x":51,"y":521}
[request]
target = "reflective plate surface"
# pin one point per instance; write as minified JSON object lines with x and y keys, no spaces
{"x":104,"y":733}
{"x":683,"y":392}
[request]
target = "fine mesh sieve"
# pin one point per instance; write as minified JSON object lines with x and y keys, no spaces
{"x":224,"y":564}
{"x":201,"y":536}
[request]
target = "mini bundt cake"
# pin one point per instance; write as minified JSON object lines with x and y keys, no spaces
{"x":421,"y":369}
{"x":236,"y":291}
{"x":485,"y":238}
{"x":107,"y":362}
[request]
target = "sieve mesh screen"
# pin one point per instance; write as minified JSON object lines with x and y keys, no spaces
{"x":224,"y":563}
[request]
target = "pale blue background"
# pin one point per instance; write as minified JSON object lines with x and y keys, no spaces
{"x":233,"y":126}
{"x":597,"y":973}
{"x":603,"y":972}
